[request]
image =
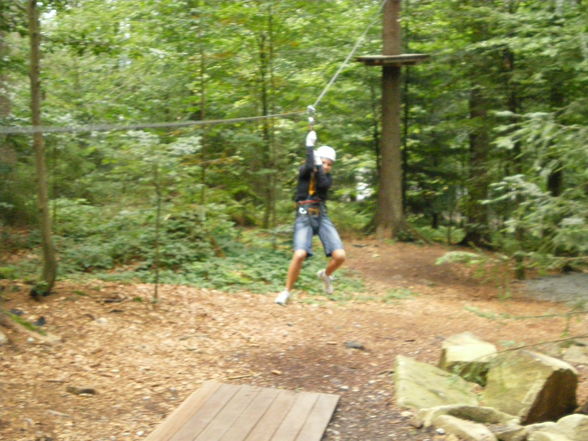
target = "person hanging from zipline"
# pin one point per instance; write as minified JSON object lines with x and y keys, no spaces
{"x":314,"y":181}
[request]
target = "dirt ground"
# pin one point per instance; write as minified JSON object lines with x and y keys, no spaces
{"x":140,"y":362}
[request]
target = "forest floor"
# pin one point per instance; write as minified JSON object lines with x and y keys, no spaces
{"x":142,"y":361}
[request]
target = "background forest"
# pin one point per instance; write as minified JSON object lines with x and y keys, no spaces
{"x":495,"y":130}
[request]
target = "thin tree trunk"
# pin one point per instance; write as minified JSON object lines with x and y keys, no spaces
{"x":514,"y":106}
{"x":478,"y":182}
{"x":7,"y":152}
{"x":5,"y":104}
{"x":158,"y":202}
{"x":49,"y":272}
{"x":4,"y":112}
{"x":202,"y":114}
{"x":266,"y":79}
{"x":405,"y":107}
{"x":272,"y":143}
{"x":555,"y":180}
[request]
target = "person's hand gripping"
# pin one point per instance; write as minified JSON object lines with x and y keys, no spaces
{"x":311,"y":138}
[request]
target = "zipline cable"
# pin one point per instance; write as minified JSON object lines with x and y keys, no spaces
{"x":119,"y":127}
{"x":28,"y":130}
{"x":355,"y":47}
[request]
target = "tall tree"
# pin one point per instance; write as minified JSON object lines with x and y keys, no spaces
{"x":49,"y":272}
{"x":266,"y":85}
{"x":481,"y":63}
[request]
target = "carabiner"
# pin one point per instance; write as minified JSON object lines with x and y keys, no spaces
{"x":311,"y":111}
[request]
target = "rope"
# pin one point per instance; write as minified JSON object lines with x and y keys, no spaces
{"x":16,"y":130}
{"x":355,"y":47}
{"x":115,"y":127}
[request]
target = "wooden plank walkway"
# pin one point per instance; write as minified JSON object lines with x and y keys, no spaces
{"x":226,"y":412}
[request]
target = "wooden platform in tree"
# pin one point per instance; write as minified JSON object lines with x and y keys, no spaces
{"x":392,"y":60}
{"x":225,"y":412}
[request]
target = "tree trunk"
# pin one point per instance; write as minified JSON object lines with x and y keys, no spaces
{"x":7,"y":153}
{"x":202,"y":93}
{"x":5,"y":104}
{"x":390,"y":214}
{"x":555,"y":180}
{"x":266,"y":80}
{"x":514,"y":162}
{"x":476,"y":213}
{"x":49,"y":273}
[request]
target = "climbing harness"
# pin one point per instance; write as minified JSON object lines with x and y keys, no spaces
{"x":311,"y":207}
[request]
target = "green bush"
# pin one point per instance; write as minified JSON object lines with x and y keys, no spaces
{"x":90,"y":237}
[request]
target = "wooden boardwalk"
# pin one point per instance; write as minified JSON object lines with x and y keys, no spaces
{"x":225,"y":412}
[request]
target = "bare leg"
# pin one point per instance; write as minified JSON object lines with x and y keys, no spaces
{"x":337,"y":259}
{"x":294,"y":269}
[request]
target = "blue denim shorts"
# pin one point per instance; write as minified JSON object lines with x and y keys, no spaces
{"x":306,"y":226}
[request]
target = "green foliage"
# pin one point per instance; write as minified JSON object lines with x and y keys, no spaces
{"x":7,"y":272}
{"x":489,"y":267}
{"x":197,"y":246}
{"x":258,"y":270}
{"x":460,"y":257}
{"x":350,"y":218}
{"x":97,"y":238}
{"x":131,"y":62}
{"x":555,"y":227}
{"x":446,"y":234}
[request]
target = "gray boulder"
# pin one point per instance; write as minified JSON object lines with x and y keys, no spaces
{"x":508,"y":433}
{"x":547,"y":436}
{"x":569,"y":428}
{"x":464,"y":429}
{"x":420,"y":385}
{"x":477,"y":414}
{"x":532,"y":386}
{"x":575,"y":427}
{"x":468,"y":356}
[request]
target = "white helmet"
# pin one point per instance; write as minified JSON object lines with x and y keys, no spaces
{"x":326,"y":152}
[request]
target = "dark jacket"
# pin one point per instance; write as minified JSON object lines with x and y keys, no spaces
{"x":323,"y":180}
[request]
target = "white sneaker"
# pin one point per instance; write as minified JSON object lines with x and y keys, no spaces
{"x":282,"y":298}
{"x":327,"y":281}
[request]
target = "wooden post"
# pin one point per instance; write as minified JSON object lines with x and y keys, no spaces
{"x":390,"y":210}
{"x":390,"y":214}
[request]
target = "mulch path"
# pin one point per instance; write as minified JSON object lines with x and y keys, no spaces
{"x":140,"y":362}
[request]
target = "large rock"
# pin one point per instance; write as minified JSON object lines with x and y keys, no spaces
{"x":530,"y":385}
{"x":547,"y":436}
{"x":468,"y":356}
{"x":477,"y":414}
{"x":575,"y":427}
{"x":508,"y":433}
{"x":569,"y":428}
{"x":465,"y":430}
{"x":548,"y":426}
{"x":420,"y":385}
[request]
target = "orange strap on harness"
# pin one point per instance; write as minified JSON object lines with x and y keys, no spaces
{"x":312,"y":185}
